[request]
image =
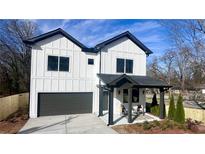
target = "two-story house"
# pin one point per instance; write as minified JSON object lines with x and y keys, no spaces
{"x":69,"y":78}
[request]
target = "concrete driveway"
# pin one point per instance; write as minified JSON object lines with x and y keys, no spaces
{"x":67,"y":124}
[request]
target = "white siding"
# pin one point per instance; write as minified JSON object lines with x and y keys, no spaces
{"x":123,"y":48}
{"x":126,"y":49}
{"x":80,"y":78}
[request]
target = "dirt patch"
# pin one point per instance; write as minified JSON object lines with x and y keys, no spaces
{"x":156,"y":127}
{"x":14,"y":122}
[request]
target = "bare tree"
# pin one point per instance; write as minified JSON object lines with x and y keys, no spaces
{"x":14,"y":55}
{"x":187,"y":40}
{"x":168,"y":61}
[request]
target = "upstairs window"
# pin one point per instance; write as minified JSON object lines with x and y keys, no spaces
{"x":56,"y":63}
{"x":124,"y":65}
{"x":120,"y":65}
{"x":52,"y":63}
{"x":64,"y":64}
{"x":90,"y":61}
{"x":129,"y":66}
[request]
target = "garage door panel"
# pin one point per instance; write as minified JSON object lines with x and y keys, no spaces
{"x":64,"y":103}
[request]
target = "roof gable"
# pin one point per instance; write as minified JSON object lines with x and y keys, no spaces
{"x":140,"y":81}
{"x":53,"y":33}
{"x":95,"y":49}
{"x":122,"y":35}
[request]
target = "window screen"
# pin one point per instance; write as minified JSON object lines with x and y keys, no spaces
{"x":52,"y":63}
{"x":129,"y":66}
{"x":64,"y":64}
{"x":120,"y":65}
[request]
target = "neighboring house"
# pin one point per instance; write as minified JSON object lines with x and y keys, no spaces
{"x":69,"y":78}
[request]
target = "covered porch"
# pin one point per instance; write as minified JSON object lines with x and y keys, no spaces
{"x":134,"y":108}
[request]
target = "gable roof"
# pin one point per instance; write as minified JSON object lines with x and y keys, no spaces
{"x":140,"y":81}
{"x":95,"y":49}
{"x":52,"y":33}
{"x":128,"y":35}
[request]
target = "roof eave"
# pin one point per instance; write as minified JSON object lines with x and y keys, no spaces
{"x":128,"y":35}
{"x":41,"y":37}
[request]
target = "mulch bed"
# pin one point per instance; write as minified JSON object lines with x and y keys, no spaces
{"x":139,"y":129}
{"x":134,"y":129}
{"x":14,"y":122}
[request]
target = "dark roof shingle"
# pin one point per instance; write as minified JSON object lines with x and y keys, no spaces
{"x":141,"y":81}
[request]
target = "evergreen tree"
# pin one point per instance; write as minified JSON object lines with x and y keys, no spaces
{"x":179,"y":113}
{"x":154,"y":100}
{"x":171,"y":111}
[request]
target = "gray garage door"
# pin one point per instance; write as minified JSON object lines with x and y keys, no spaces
{"x":64,"y":103}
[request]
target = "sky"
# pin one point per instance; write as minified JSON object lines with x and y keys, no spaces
{"x":91,"y":32}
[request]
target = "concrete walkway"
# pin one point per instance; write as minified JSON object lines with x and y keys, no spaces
{"x":122,"y":120}
{"x":67,"y":124}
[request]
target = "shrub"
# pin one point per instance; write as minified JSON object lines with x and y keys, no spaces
{"x":179,"y":115}
{"x":155,"y":110}
{"x":167,"y":124}
{"x":192,"y":124}
{"x":156,"y":123}
{"x":171,"y":108}
{"x":146,"y":125}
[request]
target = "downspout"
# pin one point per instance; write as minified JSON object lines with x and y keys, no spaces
{"x":29,"y":94}
{"x":100,"y":89}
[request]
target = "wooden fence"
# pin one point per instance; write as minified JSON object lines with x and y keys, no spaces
{"x":13,"y":103}
{"x":193,"y":113}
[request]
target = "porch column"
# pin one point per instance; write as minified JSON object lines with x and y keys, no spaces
{"x":100,"y":101}
{"x":130,"y":105}
{"x":110,"y":108}
{"x":162,"y":105}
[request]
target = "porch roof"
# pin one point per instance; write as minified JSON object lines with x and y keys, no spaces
{"x":117,"y":80}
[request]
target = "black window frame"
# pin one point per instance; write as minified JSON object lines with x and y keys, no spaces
{"x":129,"y":67}
{"x":51,"y":62}
{"x":57,"y":63}
{"x":119,"y":68}
{"x":90,"y":61}
{"x":126,"y":65}
{"x":61,"y":69}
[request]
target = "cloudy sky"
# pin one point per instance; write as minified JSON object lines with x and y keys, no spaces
{"x":91,"y":32}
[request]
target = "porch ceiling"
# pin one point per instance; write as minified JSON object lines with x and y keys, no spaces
{"x":117,"y":80}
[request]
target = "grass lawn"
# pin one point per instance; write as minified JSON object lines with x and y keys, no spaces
{"x":14,"y":122}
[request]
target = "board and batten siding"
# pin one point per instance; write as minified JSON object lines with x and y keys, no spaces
{"x":80,"y":78}
{"x":123,"y":48}
{"x":126,"y":49}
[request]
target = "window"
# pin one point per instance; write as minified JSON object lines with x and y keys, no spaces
{"x":129,"y":66}
{"x":90,"y":61}
{"x":52,"y":63}
{"x":135,"y":95}
{"x":120,"y":65}
{"x":64,"y":64}
{"x":56,"y":63}
{"x":124,"y":65}
{"x":125,"y":95}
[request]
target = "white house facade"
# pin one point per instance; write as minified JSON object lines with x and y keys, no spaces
{"x":67,"y":77}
